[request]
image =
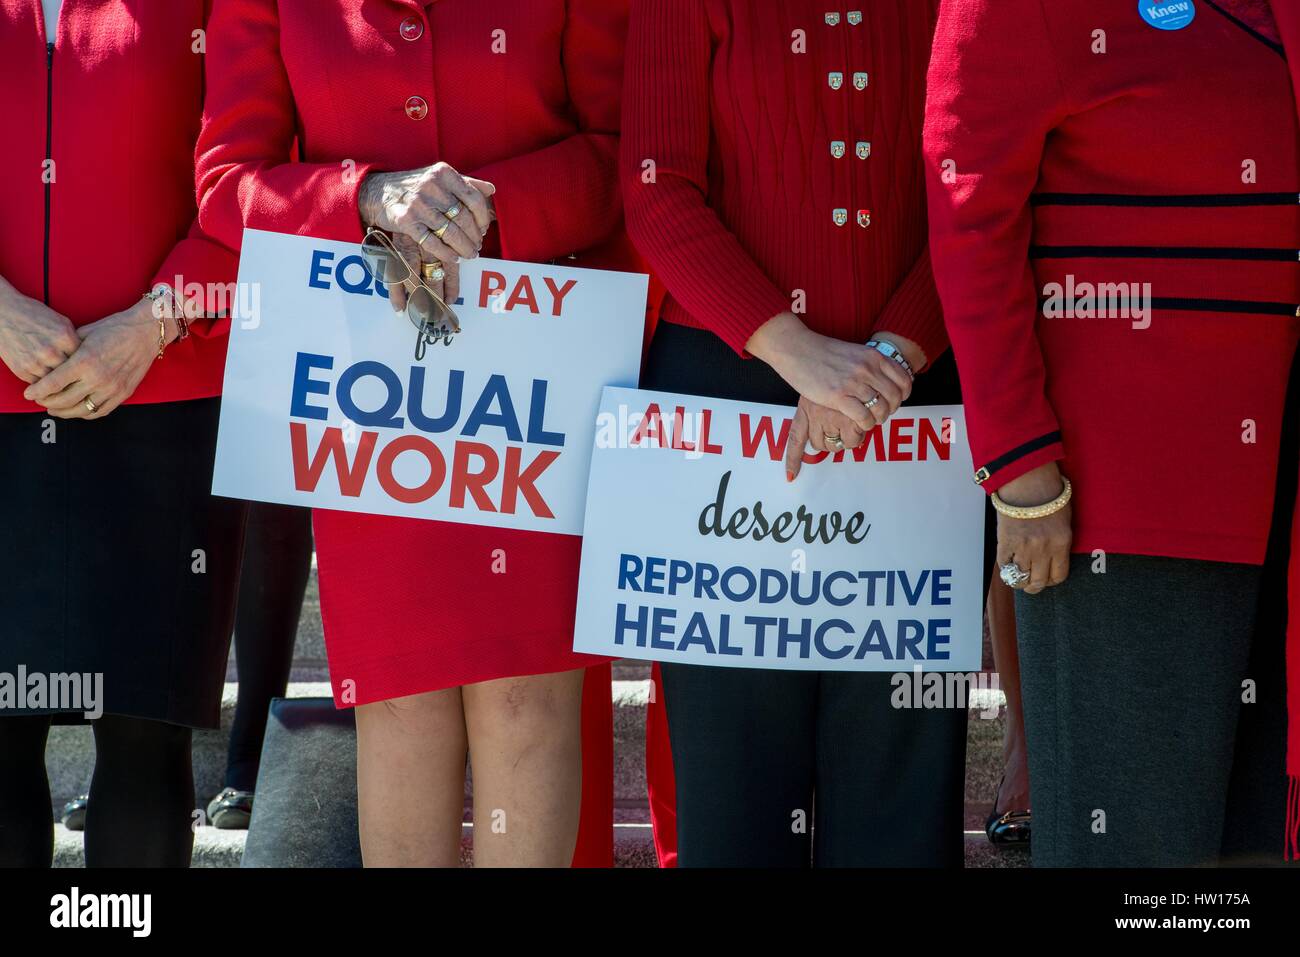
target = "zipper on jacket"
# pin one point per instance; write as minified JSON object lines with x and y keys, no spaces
{"x":49,"y":148}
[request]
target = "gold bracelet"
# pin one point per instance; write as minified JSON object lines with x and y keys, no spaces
{"x":1035,"y":511}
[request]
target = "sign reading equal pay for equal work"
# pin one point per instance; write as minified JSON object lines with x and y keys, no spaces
{"x":325,"y":404}
{"x":697,"y":550}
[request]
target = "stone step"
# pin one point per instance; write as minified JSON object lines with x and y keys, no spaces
{"x":70,"y":754}
{"x":633,"y":847}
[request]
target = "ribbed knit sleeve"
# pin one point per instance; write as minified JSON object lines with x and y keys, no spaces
{"x":992,"y":59}
{"x":913,"y":310}
{"x":243,"y":174}
{"x":664,"y":165}
{"x":565,"y":198}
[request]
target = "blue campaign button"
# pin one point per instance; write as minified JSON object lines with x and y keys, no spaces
{"x":1168,"y":14}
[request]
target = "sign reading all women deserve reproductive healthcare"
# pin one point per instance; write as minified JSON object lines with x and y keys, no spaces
{"x":697,"y":549}
{"x":326,"y":406}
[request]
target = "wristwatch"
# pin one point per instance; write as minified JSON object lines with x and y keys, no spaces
{"x":893,"y":353}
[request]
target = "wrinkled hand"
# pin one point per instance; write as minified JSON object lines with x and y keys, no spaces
{"x":1040,"y":546}
{"x":813,"y":425}
{"x":412,"y":205}
{"x":843,"y":376}
{"x":33,"y":337}
{"x":114,"y":355}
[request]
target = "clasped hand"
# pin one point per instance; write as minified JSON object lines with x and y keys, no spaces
{"x":65,"y":365}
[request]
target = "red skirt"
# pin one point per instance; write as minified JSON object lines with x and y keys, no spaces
{"x":411,"y":606}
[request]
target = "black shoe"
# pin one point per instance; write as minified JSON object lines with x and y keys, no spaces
{"x":231,"y":810}
{"x":74,"y":813}
{"x":1009,"y":829}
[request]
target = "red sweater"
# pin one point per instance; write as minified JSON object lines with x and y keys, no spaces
{"x":731,"y":102}
{"x":1169,"y":159}
{"x":115,"y":101}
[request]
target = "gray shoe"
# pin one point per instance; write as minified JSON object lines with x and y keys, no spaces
{"x":231,"y":810}
{"x":74,"y":813}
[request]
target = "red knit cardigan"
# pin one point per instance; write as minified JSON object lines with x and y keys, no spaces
{"x":737,"y":153}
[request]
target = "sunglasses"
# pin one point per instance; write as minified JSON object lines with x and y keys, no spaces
{"x":433,"y":319}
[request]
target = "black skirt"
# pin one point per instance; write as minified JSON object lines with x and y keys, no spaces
{"x":117,"y":561}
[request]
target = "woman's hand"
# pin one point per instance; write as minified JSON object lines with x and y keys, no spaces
{"x":843,"y":376}
{"x":33,"y":337}
{"x":1040,"y":546}
{"x":815,"y":425}
{"x":114,"y":355}
{"x":413,"y":205}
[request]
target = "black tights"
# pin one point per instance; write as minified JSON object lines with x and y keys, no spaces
{"x":277,"y":564}
{"x":141,"y":795}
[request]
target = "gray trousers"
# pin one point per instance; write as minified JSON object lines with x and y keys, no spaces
{"x":1132,"y":685}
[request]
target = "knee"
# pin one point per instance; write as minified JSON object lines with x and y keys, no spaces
{"x":526,"y":711}
{"x":415,"y":714}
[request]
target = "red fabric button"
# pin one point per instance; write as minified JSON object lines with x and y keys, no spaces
{"x":412,"y":28}
{"x":416,"y":108}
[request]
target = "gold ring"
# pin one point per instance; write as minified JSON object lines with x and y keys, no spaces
{"x":433,"y":272}
{"x":835,"y":442}
{"x":90,"y":406}
{"x":421,"y":240}
{"x":452,"y":211}
{"x":442,"y":230}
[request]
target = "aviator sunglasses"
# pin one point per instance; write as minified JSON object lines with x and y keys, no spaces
{"x":431,"y":316}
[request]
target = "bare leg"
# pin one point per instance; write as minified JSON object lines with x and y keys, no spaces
{"x":411,"y":780}
{"x":1014,"y":795}
{"x":526,"y":753}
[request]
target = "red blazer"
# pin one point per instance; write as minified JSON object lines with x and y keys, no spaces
{"x":360,"y":87}
{"x":1123,"y":166}
{"x":115,"y":101}
{"x":754,"y":151}
{"x":1287,"y":14}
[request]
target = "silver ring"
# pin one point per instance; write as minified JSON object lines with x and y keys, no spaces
{"x":872,"y":402}
{"x":1013,"y":574}
{"x":835,"y":442}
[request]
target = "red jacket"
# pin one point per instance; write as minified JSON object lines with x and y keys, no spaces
{"x":754,"y":151}
{"x":1169,"y":159}
{"x":360,"y":87}
{"x":115,"y":101}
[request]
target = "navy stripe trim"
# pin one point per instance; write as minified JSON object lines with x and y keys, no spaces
{"x":1019,"y":452}
{"x":1275,"y":47}
{"x":1227,"y":305}
{"x":1245,"y":306}
{"x":1185,"y":199}
{"x":1252,"y":254}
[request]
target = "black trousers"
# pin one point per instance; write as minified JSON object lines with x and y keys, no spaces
{"x":272,"y":583}
{"x":785,"y":768}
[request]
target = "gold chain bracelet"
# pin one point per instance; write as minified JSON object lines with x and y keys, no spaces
{"x":1035,"y":511}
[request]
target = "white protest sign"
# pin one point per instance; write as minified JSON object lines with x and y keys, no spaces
{"x":325,"y":404}
{"x":698,"y":550}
